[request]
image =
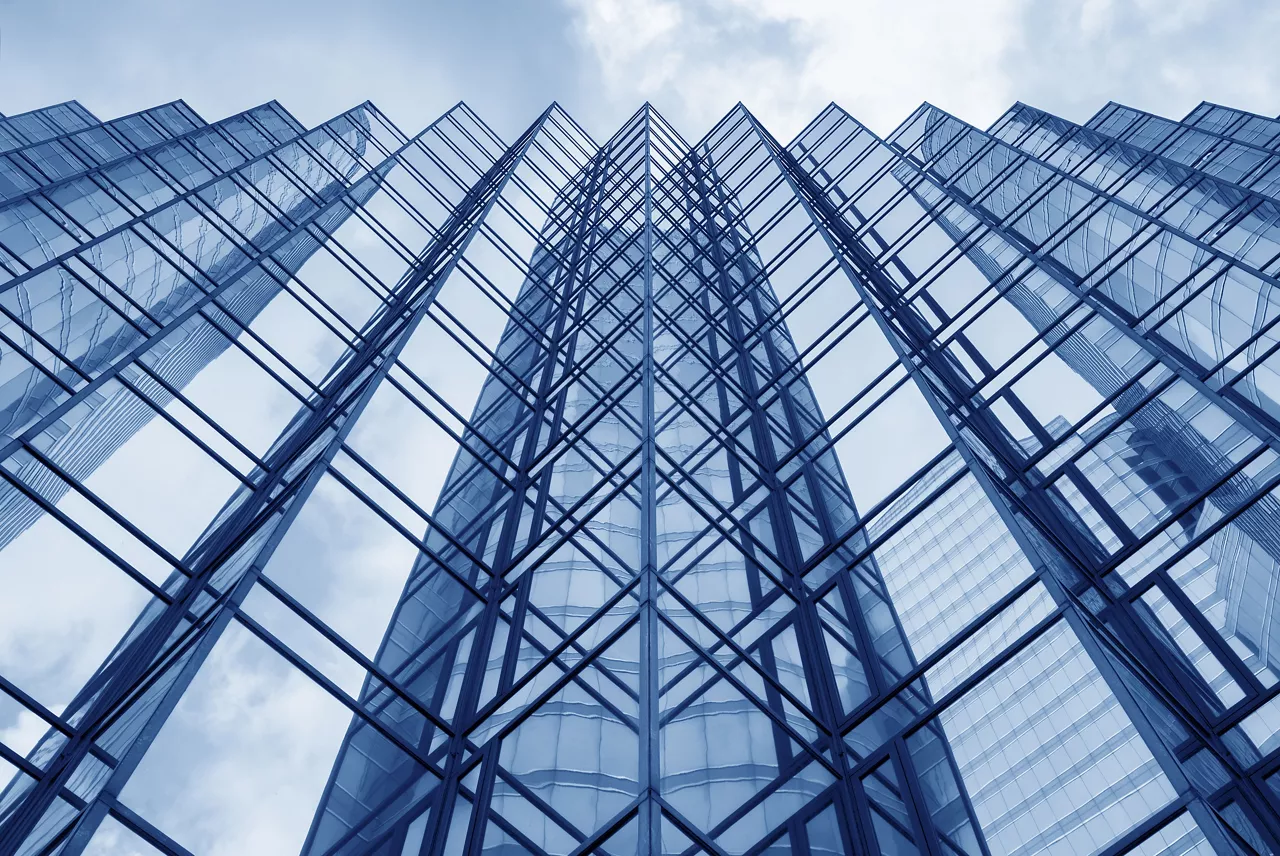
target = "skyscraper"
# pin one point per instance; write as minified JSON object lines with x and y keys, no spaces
{"x":448,"y":495}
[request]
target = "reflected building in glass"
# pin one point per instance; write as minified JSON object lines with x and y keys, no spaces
{"x":452,"y":495}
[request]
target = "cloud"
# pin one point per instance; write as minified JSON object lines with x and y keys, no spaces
{"x":1160,"y":55}
{"x":880,"y":58}
{"x":786,"y":60}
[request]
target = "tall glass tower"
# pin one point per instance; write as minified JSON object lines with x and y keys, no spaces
{"x":446,"y":495}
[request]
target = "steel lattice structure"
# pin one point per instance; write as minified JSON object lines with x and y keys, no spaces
{"x":439,"y":495}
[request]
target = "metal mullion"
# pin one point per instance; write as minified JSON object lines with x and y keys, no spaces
{"x":166,"y":416}
{"x":400,"y":825}
{"x":533,"y":436}
{"x":336,"y":176}
{"x":580,"y":372}
{"x":453,"y":146}
{"x":1207,"y":634}
{"x":726,"y":168}
{"x":1059,"y":328}
{"x":529,"y":229}
{"x":716,"y":526}
{"x":343,"y":256}
{"x":139,"y":826}
{"x":454,"y":541}
{"x":1200,"y":538}
{"x":355,"y":706}
{"x":816,"y":122}
{"x":572,"y":517}
{"x":691,"y":348}
{"x":446,"y":169}
{"x":749,"y":538}
{"x":801,"y":446}
{"x":808,"y":149}
{"x":795,"y":299}
{"x":175,"y":647}
{"x":468,"y":425}
{"x":338,"y":641}
{"x":721,"y":434}
{"x":799,"y":364}
{"x":30,"y":703}
{"x":1131,"y":841}
{"x":584,"y":531}
{"x":288,"y":281}
{"x":605,"y":404}
{"x":1103,"y":197}
{"x":820,"y":515}
{"x":62,"y":517}
{"x":570,"y":674}
{"x":513,"y":315}
{"x":202,"y":309}
{"x":552,"y":658}
{"x":1098,"y":157}
{"x":39,"y":365}
{"x":564,"y":443}
{"x":593,"y":842}
{"x":569,"y":174}
{"x":446,"y":494}
{"x":721,"y":527}
{"x":25,"y":767}
{"x":586,"y":319}
{"x":106,"y":287}
{"x":468,"y":430}
{"x":501,"y":377}
{"x":777,"y":593}
{"x":1175,"y":363}
{"x":200,"y":306}
{"x":923,"y":716}
{"x":106,"y":127}
{"x":785,"y":776}
{"x":696,"y":837}
{"x":512,"y":307}
{"x":159,"y":625}
{"x":465,"y":330}
{"x":19,"y":157}
{"x":723,"y":674}
{"x":400,"y":198}
{"x":1179,"y":130}
{"x":964,"y":242}
{"x":541,"y":805}
{"x":416,"y":176}
{"x":741,"y":655}
{"x":449,"y":636}
{"x":568,"y":128}
{"x":93,"y":499}
{"x":493,"y":818}
{"x":768,"y":226}
{"x":574,"y":639}
{"x":716,"y":431}
{"x":541,"y":375}
{"x":402,"y":201}
{"x":604,"y":269}
{"x":690,"y":402}
{"x":466,"y":132}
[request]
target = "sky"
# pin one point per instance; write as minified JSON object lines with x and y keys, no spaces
{"x":601,"y":58}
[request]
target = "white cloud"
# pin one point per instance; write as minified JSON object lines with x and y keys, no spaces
{"x":880,"y":58}
{"x":785,"y":60}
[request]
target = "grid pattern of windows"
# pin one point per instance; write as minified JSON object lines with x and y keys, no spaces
{"x":444,"y":495}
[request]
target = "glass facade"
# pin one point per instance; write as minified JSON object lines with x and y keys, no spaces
{"x":447,"y":495}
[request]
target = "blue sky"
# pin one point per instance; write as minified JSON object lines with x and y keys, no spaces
{"x":693,"y":58}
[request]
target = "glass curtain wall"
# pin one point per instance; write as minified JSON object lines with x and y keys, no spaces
{"x":452,"y":496}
